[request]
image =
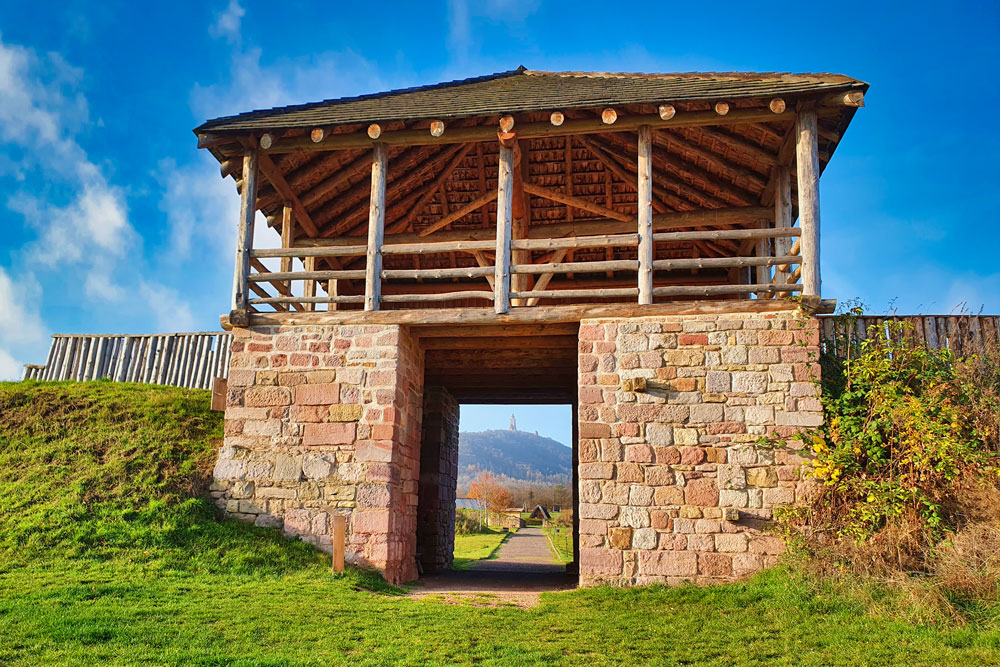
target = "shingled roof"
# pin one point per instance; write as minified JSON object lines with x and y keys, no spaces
{"x":526,"y":90}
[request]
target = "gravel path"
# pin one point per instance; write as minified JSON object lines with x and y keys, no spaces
{"x":527,"y":550}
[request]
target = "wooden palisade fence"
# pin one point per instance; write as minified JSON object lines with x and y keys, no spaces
{"x":963,"y":334}
{"x":180,"y":359}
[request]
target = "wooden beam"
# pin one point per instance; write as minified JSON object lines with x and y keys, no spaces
{"x":458,"y":214}
{"x":287,"y":239}
{"x":277,"y":180}
{"x":543,"y":281}
{"x":677,"y":144}
{"x":376,"y":229}
{"x":505,"y":194}
{"x":457,"y":155}
{"x":645,"y":217}
{"x":521,"y":210}
{"x":420,"y":317}
{"x":244,"y":231}
{"x":736,"y":215}
{"x":783,"y":217}
{"x":577,"y":202}
{"x":807,"y":173}
{"x":309,"y":286}
{"x":461,"y":135}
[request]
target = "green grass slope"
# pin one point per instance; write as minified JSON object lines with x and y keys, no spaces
{"x":109,"y":555}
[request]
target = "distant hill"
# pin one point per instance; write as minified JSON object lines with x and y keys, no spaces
{"x":515,"y":455}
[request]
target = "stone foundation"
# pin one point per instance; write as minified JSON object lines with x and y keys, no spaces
{"x":438,"y":480}
{"x":323,"y":420}
{"x":673,"y":483}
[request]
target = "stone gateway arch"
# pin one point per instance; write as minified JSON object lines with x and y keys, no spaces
{"x":644,"y":247}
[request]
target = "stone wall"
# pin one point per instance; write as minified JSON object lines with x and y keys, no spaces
{"x":673,"y":483}
{"x":323,"y":420}
{"x":438,"y":480}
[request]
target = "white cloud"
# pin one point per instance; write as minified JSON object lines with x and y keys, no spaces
{"x":173,"y":313}
{"x":227,"y":24}
{"x":21,"y":329}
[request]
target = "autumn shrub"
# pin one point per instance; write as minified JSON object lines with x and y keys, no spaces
{"x":905,"y":461}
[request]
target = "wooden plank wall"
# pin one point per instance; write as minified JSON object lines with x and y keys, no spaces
{"x":963,"y":334}
{"x":180,"y":360}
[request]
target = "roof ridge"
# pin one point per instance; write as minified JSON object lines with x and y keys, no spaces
{"x":822,"y":77}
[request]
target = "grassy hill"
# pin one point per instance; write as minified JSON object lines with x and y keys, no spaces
{"x":516,"y":455}
{"x":110,"y":555}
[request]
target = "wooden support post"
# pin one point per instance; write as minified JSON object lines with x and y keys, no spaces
{"x":339,"y":541}
{"x":287,"y":239}
{"x":645,"y":215}
{"x":782,"y":218}
{"x":376,"y":230}
{"x":332,"y":289}
{"x":505,"y":195}
{"x":244,"y":233}
{"x":521,"y":206}
{"x":807,"y":171}
{"x":309,"y":286}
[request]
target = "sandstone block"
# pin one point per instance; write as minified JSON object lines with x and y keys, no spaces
{"x":268,"y":521}
{"x":230,"y":469}
{"x":668,"y":495}
{"x":692,"y":456}
{"x":316,"y":466}
{"x":685,"y":436}
{"x":805,"y":419}
{"x":287,"y":468}
{"x":620,"y":538}
{"x":644,"y":538}
{"x":634,"y":517}
{"x":263,"y":397}
{"x":718,"y":381}
{"x":275,"y":492}
{"x":745,"y":382}
{"x":744,"y":564}
{"x":778,"y":496}
{"x":600,"y":561}
{"x":639,"y":454}
{"x":598,"y":511}
{"x":596,"y":470}
{"x":731,"y":477}
{"x":730,"y":542}
{"x":345,"y":412}
{"x":334,"y":433}
{"x":701,"y":492}
{"x":731,"y":498}
{"x":762,"y":477}
{"x":706,"y":413}
{"x":715,"y":565}
{"x":640,"y":495}
{"x":668,"y":563}
{"x":659,"y":435}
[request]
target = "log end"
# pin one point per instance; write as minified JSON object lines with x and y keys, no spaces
{"x":609,"y":116}
{"x":374,"y":131}
{"x":667,"y":111}
{"x":506,"y":123}
{"x":722,"y":108}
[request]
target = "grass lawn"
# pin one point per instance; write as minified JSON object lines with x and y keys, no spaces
{"x":477,"y":546}
{"x":561,"y":541}
{"x":109,"y":556}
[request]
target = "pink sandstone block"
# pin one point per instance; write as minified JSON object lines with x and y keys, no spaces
{"x":262,"y":397}
{"x":335,"y":433}
{"x":600,"y":561}
{"x":702,"y":492}
{"x":668,"y":563}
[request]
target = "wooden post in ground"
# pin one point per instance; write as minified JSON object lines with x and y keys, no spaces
{"x":244,"y":232}
{"x":807,"y":172}
{"x":376,"y":230}
{"x":339,"y":541}
{"x":505,"y":192}
{"x":645,"y":185}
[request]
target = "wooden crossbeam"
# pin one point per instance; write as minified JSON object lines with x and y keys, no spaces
{"x":460,"y":213}
{"x":456,"y":155}
{"x":577,"y":202}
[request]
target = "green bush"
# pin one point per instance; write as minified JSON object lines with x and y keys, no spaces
{"x":909,"y":438}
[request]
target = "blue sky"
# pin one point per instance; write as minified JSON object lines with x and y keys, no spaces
{"x":114,"y":222}
{"x":551,"y":421}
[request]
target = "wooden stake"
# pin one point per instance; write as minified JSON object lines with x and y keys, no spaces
{"x":376,"y":229}
{"x":807,"y":172}
{"x":339,"y":541}
{"x":645,"y":221}
{"x":244,"y":231}
{"x":505,"y":196}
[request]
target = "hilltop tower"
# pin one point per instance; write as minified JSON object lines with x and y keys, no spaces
{"x":513,"y":423}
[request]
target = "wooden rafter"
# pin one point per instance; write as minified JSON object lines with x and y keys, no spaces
{"x":455,"y":155}
{"x":678,"y":145}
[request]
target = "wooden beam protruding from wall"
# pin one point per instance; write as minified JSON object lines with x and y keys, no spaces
{"x":376,"y":230}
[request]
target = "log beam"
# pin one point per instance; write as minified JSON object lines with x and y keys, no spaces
{"x":505,"y":195}
{"x":807,"y":173}
{"x":244,"y":231}
{"x":376,"y":230}
{"x":645,"y":217}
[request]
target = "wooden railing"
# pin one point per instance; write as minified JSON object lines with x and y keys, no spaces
{"x":963,"y":334}
{"x":784,"y":282}
{"x":181,"y":359}
{"x":795,"y":266}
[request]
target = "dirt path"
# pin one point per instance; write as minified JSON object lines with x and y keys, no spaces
{"x":527,"y":550}
{"x":518,"y":574}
